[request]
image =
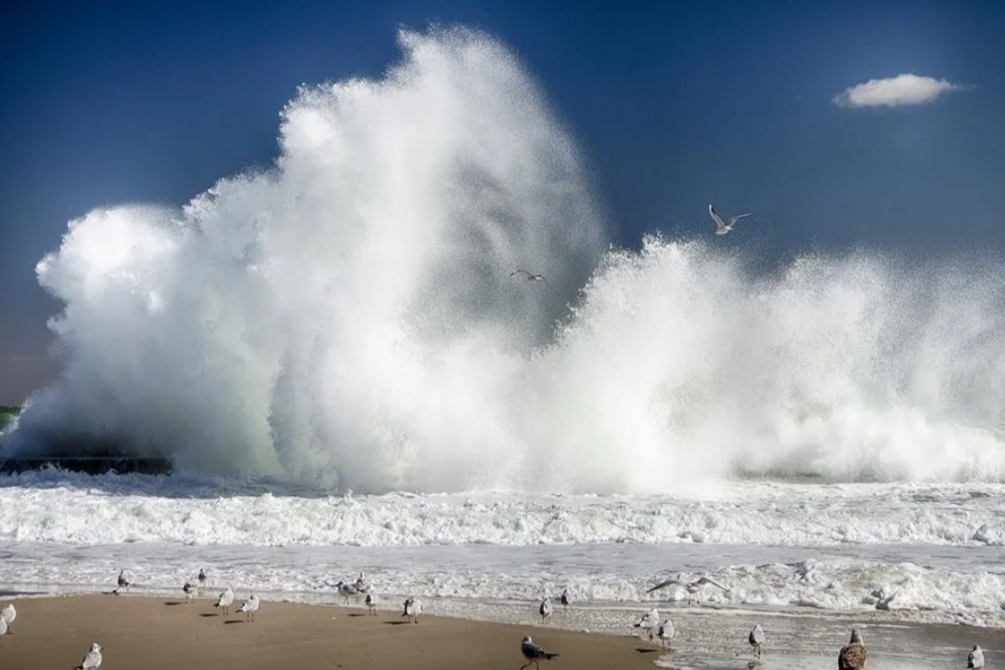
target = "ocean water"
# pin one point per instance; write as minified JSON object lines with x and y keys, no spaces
{"x":779,"y":547}
{"x":334,"y":353}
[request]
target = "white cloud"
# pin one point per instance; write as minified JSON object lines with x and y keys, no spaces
{"x":904,"y":89}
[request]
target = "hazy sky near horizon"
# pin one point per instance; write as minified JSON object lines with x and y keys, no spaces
{"x":797,"y":111}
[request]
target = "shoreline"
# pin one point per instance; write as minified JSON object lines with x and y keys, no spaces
{"x":156,"y":632}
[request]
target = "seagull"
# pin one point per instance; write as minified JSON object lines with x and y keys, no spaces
{"x":413,"y":607}
{"x":7,"y":615}
{"x":545,"y":608}
{"x":756,"y":639}
{"x":4,"y":628}
{"x":649,"y":621}
{"x":722,"y":228}
{"x":189,"y":590}
{"x":852,"y":655}
{"x":666,"y":633}
{"x":202,"y":577}
{"x":93,"y":659}
{"x":249,"y":608}
{"x":123,"y":582}
{"x":533,"y":653}
{"x":693,"y":588}
{"x":975,"y":659}
{"x":371,"y":602}
{"x":565,"y":598}
{"x":225,"y":600}
{"x":346,"y":589}
{"x":361,"y":584}
{"x":530,"y":276}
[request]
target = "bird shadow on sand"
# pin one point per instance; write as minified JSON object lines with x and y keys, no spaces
{"x":230,"y":621}
{"x":172,"y":603}
{"x":396,"y":623}
{"x":356,"y":614}
{"x":647,"y":650}
{"x":209,"y":614}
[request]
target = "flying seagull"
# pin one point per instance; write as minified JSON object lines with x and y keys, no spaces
{"x":530,"y":276}
{"x":693,"y":588}
{"x":722,"y":228}
{"x":533,"y":653}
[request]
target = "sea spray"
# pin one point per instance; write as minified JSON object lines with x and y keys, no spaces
{"x":348,"y":319}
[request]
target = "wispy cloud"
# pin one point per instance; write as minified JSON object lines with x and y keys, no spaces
{"x":904,"y":89}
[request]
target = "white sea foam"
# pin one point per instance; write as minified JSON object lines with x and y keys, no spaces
{"x":60,"y":507}
{"x":347,"y":318}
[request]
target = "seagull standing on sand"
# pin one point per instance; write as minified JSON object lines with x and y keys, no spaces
{"x":693,"y":588}
{"x":530,"y":276}
{"x":346,"y":590}
{"x":225,"y":600}
{"x":93,"y":659}
{"x":249,"y":608}
{"x":371,"y":602}
{"x":666,"y":633}
{"x":7,"y":615}
{"x":756,"y":639}
{"x":413,"y":607}
{"x":533,"y":653}
{"x":189,"y":590}
{"x":3,"y":628}
{"x":852,"y":655}
{"x":649,"y":622}
{"x":975,"y":659}
{"x":122,"y":581}
{"x":545,"y":608}
{"x":723,"y":228}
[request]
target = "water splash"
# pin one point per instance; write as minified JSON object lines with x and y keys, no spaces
{"x":348,"y":318}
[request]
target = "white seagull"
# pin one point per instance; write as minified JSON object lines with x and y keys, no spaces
{"x":693,"y":588}
{"x":362,"y":586}
{"x":93,"y":659}
{"x":756,"y":639}
{"x":530,"y":276}
{"x":346,"y":590}
{"x":413,"y":608}
{"x":975,"y":659}
{"x":533,"y":653}
{"x":723,"y":228}
{"x":666,"y":633}
{"x":545,"y":608}
{"x":372,"y":602}
{"x":649,"y":622}
{"x":225,"y":600}
{"x":7,"y":615}
{"x":249,"y":608}
{"x":189,"y":590}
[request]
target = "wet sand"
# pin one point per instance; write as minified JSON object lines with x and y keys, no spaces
{"x":154,"y":633}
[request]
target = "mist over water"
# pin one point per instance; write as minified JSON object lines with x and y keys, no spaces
{"x":348,"y":319}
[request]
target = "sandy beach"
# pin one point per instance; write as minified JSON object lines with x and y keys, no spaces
{"x":165,"y":633}
{"x":160,"y":633}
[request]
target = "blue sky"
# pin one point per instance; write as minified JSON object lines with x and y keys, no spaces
{"x":675,"y":104}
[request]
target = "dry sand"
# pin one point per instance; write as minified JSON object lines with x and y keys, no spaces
{"x":150,"y":633}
